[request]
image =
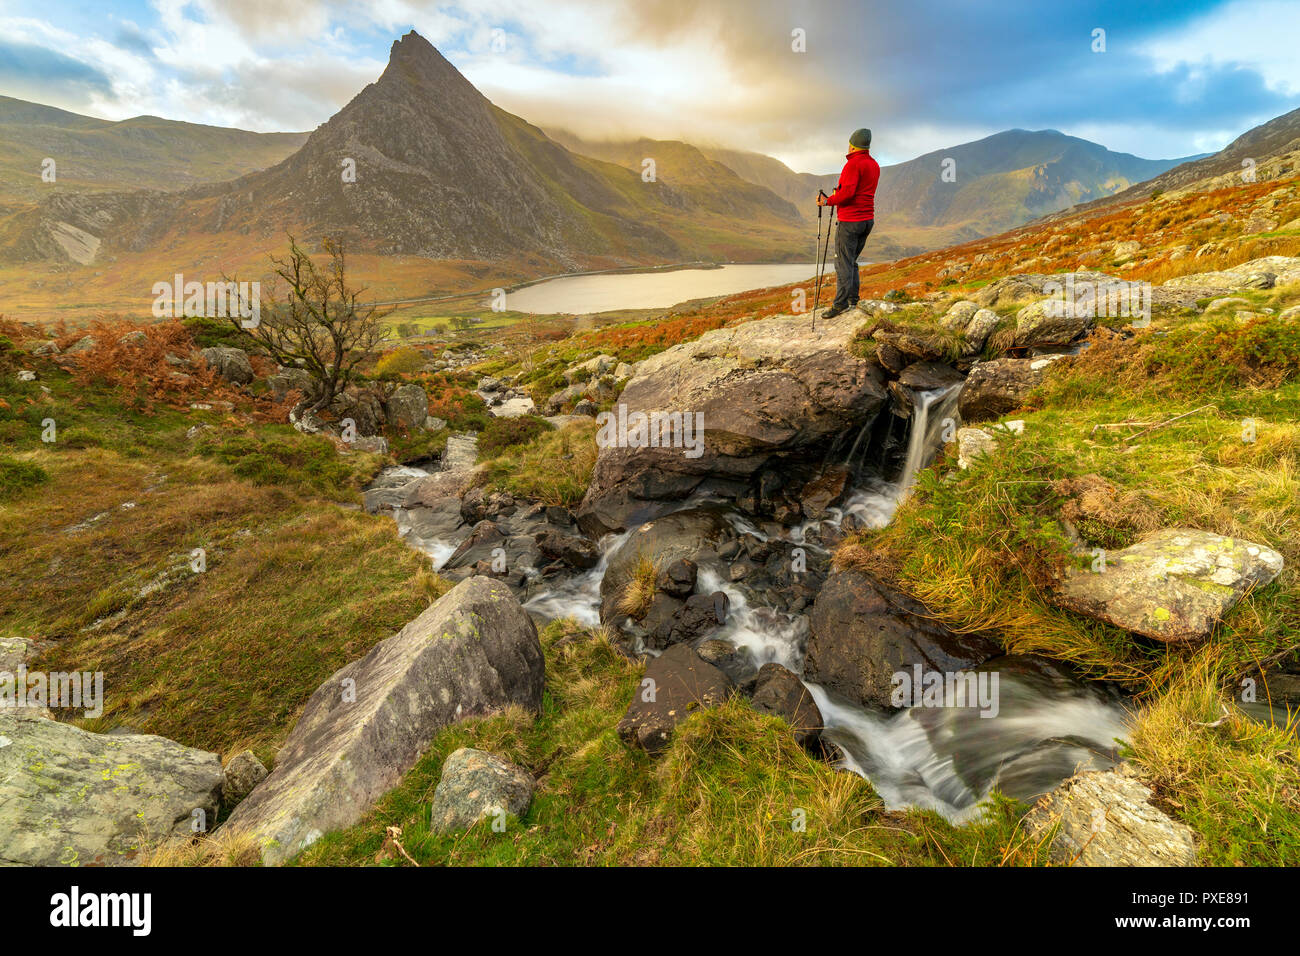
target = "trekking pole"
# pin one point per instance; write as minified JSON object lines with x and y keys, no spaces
{"x":821,"y":267}
{"x":821,"y":259}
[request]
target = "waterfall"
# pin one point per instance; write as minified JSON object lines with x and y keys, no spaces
{"x":932,"y":412}
{"x":934,"y":757}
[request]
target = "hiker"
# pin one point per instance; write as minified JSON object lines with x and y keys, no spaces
{"x":854,"y":199}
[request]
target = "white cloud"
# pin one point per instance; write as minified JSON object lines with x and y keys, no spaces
{"x":1261,"y":34}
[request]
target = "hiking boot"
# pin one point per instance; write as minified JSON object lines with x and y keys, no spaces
{"x":834,"y":311}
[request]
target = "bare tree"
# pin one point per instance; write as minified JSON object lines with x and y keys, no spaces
{"x":313,"y":320}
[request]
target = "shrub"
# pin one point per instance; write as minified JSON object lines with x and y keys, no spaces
{"x":502,"y":433}
{"x":210,"y":333}
{"x":287,"y":459}
{"x":402,"y":361}
{"x":80,"y":438}
{"x":17,"y":477}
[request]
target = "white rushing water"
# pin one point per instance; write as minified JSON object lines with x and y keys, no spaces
{"x":945,"y":758}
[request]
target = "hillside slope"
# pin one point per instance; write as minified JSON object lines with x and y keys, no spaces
{"x":144,"y":152}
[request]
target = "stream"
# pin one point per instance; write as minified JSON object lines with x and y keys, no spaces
{"x":1046,"y":726}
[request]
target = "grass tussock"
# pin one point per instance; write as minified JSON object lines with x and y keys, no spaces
{"x":639,"y":592}
{"x":554,"y":467}
{"x":221,"y":848}
{"x":1229,"y":777}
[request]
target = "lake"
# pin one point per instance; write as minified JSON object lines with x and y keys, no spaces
{"x":580,"y":295}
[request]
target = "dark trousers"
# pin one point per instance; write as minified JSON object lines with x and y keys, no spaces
{"x":850,"y":237}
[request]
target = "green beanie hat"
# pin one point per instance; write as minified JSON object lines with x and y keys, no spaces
{"x":861,"y":139}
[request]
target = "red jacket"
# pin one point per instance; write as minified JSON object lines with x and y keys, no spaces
{"x":855,"y":196}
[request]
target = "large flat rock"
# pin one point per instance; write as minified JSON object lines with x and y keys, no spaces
{"x":768,"y":389}
{"x":72,"y":798}
{"x":473,"y":652}
{"x":1107,"y":819}
{"x":862,"y":632}
{"x":1174,"y":586}
{"x":677,"y":683}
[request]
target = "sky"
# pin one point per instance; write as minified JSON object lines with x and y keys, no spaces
{"x":1157,"y":79}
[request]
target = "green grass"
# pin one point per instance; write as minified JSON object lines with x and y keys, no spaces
{"x":98,"y":536}
{"x":279,"y":455}
{"x":16,"y":477}
{"x":727,"y":792}
{"x":981,"y":548}
{"x":554,"y":468}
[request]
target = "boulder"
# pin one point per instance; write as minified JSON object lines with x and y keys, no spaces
{"x":386,"y":489}
{"x":979,"y":329}
{"x":242,"y":774}
{"x":481,"y":545}
{"x":1174,"y":586}
{"x":574,"y":551}
{"x":473,"y":652}
{"x":514,"y":407}
{"x":1052,"y":321}
{"x":958,"y":315}
{"x":73,"y":798}
{"x":972,"y":444}
{"x":288,"y":380}
{"x":778,"y":691}
{"x":408,"y":406}
{"x":461,"y":452}
{"x":14,"y":653}
{"x":431,"y":489}
{"x":862,"y":632}
{"x":687,"y":621}
{"x":230,"y":363}
{"x":374,"y":444}
{"x":363,"y":407}
{"x":999,"y":386}
{"x":437,"y":520}
{"x":1107,"y":819}
{"x":920,"y":377}
{"x":475,"y":784}
{"x":1261,"y":273}
{"x":592,"y":368}
{"x":83,"y":344}
{"x":663,"y":541}
{"x":677,"y":578}
{"x":828,"y":490}
{"x":676,"y":684}
{"x":767,"y":390}
{"x":1026,"y":286}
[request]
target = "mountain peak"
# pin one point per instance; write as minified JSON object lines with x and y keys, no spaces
{"x":415,"y":63}
{"x":411,"y":46}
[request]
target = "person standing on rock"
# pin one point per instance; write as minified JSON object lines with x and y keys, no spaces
{"x":855,"y":201}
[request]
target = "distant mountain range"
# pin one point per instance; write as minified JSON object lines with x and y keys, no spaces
{"x":144,"y":152}
{"x":994,"y":184}
{"x":464,"y":192}
{"x":1255,"y":147}
{"x":420,"y":163}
